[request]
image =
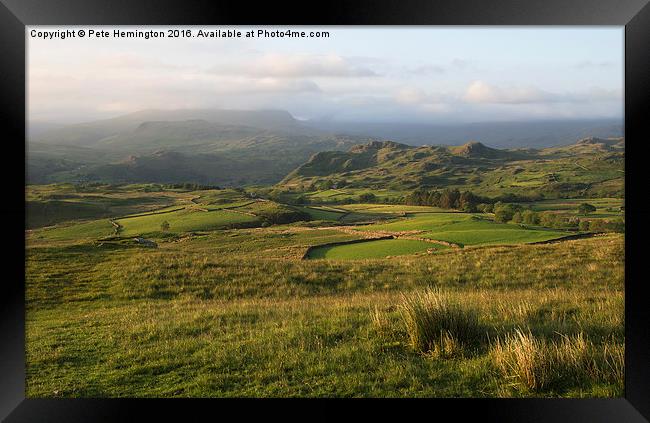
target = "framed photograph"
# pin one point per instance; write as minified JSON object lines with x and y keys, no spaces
{"x":435,"y":204}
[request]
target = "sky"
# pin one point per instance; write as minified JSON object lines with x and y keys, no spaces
{"x":364,"y":74}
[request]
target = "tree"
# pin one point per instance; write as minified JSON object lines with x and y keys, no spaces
{"x":164,"y":226}
{"x":434,"y":199}
{"x":530,"y":217}
{"x":504,"y":212}
{"x":449,"y":199}
{"x":586,"y":208}
{"x":583,"y":226}
{"x":485,"y":208}
{"x":517,"y":217}
{"x":467,"y":202}
{"x":548,"y":219}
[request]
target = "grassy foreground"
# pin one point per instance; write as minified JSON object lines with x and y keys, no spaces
{"x":214,"y":315}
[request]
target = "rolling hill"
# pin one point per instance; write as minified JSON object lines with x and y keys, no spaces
{"x":238,"y":148}
{"x":224,"y":147}
{"x":590,"y":167}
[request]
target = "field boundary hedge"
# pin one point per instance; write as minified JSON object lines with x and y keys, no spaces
{"x":568,"y":238}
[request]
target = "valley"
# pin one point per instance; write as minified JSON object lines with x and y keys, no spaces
{"x":221,"y":259}
{"x":149,"y":290}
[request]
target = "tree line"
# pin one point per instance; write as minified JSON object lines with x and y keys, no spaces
{"x":506,"y":212}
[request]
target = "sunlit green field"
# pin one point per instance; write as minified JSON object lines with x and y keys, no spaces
{"x":322,"y":214}
{"x":373,"y":249}
{"x":78,"y":231}
{"x":465,"y":229}
{"x":391,"y":208}
{"x":182,"y":221}
{"x":342,"y":194}
{"x":605,"y":207}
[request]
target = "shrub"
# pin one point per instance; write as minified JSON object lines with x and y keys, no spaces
{"x":586,"y":208}
{"x":282,"y":216}
{"x":367,"y":197}
{"x":485,"y":208}
{"x":437,"y":325}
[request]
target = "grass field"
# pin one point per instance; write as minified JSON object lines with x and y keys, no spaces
{"x":373,"y":249}
{"x":322,"y":214}
{"x":186,"y":321}
{"x":391,"y":208}
{"x":465,"y":229}
{"x":606,"y":208}
{"x":52,"y":204}
{"x":572,"y":204}
{"x":226,"y":306}
{"x":78,"y":231}
{"x":182,"y":221}
{"x":343,"y":194}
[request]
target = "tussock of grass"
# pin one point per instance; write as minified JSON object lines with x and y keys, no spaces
{"x":534,"y":364}
{"x":435,"y":324}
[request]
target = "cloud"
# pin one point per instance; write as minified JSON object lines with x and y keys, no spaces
{"x":295,"y":66}
{"x":482,"y":92}
{"x":253,"y":86}
{"x":133,"y":62}
{"x":427,"y":70}
{"x":437,"y":69}
{"x":417,"y":101}
{"x":410,"y":96}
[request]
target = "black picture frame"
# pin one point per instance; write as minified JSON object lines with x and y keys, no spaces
{"x":633,"y":14}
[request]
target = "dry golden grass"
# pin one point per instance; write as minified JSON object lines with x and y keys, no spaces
{"x":533,"y":364}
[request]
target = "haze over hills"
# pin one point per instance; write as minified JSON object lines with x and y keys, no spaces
{"x":531,"y":134}
{"x":89,"y":133}
{"x":590,"y":167}
{"x":238,"y":147}
{"x":226,"y":147}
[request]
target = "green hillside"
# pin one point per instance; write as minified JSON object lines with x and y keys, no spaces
{"x":222,"y":147}
{"x":590,"y":168}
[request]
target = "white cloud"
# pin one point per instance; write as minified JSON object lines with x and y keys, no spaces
{"x":295,"y":66}
{"x":410,"y":96}
{"x":482,"y":92}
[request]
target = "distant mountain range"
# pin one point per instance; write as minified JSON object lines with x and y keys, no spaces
{"x":224,"y":147}
{"x":234,"y":147}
